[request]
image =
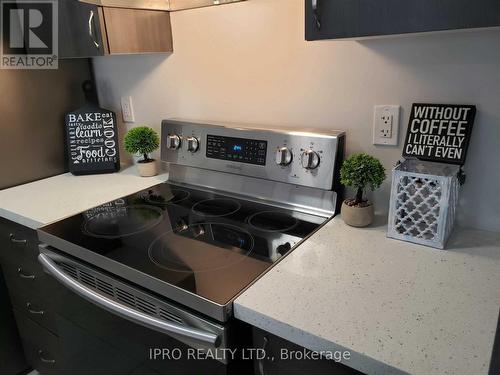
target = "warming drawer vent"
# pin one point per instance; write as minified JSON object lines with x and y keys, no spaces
{"x":121,"y":293}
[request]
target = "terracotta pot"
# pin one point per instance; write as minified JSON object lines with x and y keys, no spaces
{"x":147,"y":169}
{"x":357,"y":216}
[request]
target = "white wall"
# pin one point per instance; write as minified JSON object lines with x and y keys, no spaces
{"x":249,"y":62}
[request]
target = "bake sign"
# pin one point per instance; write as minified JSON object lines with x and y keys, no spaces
{"x":439,"y":132}
{"x":92,"y":141}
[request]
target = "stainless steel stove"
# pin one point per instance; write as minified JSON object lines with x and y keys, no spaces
{"x":237,"y":200}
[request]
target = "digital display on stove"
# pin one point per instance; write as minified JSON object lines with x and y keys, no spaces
{"x":251,"y":151}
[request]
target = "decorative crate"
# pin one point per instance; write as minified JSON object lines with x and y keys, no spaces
{"x":424,"y":197}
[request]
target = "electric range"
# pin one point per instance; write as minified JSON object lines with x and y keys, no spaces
{"x":236,"y":202}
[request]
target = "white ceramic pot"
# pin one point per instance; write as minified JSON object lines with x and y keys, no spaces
{"x":147,"y":169}
{"x":357,"y":216}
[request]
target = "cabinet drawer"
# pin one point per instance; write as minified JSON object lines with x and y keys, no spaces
{"x":28,"y":278}
{"x":17,"y":240}
{"x":38,"y":309}
{"x":73,"y":351}
{"x":41,"y":348}
{"x":276,"y":364}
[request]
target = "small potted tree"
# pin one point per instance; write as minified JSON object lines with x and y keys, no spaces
{"x":143,"y":140}
{"x":359,"y":172}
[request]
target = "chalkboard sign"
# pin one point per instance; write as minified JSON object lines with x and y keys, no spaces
{"x":92,"y":139}
{"x":439,"y":132}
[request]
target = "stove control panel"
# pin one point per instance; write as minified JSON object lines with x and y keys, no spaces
{"x":243,"y":150}
{"x":297,"y":157}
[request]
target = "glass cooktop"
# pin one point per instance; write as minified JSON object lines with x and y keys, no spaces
{"x":202,"y":242}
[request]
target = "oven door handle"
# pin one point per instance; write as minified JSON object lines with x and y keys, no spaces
{"x":126,"y":312}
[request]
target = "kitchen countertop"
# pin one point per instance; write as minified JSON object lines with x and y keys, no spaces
{"x":44,"y":201}
{"x":397,"y":307}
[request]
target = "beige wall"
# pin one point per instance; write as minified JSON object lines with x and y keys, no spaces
{"x":249,"y":62}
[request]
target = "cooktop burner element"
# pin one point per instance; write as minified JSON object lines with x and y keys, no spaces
{"x":201,"y":247}
{"x":116,"y":222}
{"x":272,"y":221}
{"x":178,"y":195}
{"x":216,"y":207}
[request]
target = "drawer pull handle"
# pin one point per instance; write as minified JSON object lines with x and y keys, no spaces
{"x":43,"y":359}
{"x":31,"y":311}
{"x":23,"y":275}
{"x":13,"y":239}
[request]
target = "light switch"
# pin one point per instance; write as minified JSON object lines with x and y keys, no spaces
{"x":386,"y":125}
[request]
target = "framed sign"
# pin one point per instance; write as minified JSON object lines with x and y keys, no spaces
{"x":92,"y":141}
{"x":439,"y":132}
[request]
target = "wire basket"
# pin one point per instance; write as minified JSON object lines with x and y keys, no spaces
{"x":424,"y":197}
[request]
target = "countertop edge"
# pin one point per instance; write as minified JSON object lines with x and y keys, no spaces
{"x":357,"y":361}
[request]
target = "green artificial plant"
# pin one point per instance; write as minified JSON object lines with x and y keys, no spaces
{"x":142,"y":140}
{"x":360,"y":171}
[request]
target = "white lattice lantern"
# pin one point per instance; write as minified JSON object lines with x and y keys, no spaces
{"x":424,"y":196}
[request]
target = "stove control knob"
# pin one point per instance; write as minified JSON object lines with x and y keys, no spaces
{"x":173,"y":141}
{"x":181,"y":226}
{"x":192,"y":144}
{"x":310,"y":159}
{"x":198,"y":231}
{"x":283,"y":156}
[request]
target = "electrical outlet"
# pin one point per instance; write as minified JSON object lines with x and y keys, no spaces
{"x":386,"y":125}
{"x":127,"y":109}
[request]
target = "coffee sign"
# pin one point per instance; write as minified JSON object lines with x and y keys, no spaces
{"x":439,"y":132}
{"x":92,"y":141}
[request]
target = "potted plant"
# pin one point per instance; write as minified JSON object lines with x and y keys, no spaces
{"x":360,"y":171}
{"x":143,"y":140}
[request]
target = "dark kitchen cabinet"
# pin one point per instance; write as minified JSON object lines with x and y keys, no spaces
{"x":337,"y":19}
{"x":12,"y":359}
{"x":87,"y":30}
{"x":51,"y":343}
{"x":80,"y":32}
{"x":275,"y":361}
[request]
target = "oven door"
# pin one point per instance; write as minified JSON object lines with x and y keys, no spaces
{"x":163,"y":336}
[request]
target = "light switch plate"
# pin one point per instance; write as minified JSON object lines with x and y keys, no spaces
{"x":386,"y":125}
{"x":127,"y":109}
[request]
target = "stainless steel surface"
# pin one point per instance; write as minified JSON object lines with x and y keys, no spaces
{"x":177,"y":330}
{"x":41,"y":355}
{"x":315,"y":8}
{"x":260,"y":361}
{"x":91,"y":29}
{"x":296,"y":198}
{"x":166,"y":5}
{"x":173,"y":141}
{"x":323,"y":144}
{"x":31,"y":135}
{"x":24,"y":275}
{"x":31,"y":311}
{"x":192,"y":144}
{"x":283,"y":156}
{"x":310,"y":159}
{"x":13,"y":239}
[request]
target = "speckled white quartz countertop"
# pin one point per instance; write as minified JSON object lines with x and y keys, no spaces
{"x":397,"y":307}
{"x":54,"y":198}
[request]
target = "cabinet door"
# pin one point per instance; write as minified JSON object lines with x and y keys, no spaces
{"x":80,"y":33}
{"x":335,"y":19}
{"x":137,"y":31}
{"x":280,"y":361}
{"x":12,"y":359}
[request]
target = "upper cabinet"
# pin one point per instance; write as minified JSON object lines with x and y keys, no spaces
{"x":80,"y":30}
{"x":337,"y":19}
{"x":170,"y":5}
{"x":87,"y":30}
